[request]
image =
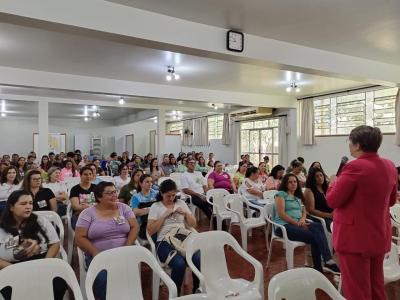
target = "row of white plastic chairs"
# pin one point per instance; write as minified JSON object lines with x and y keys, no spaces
{"x":124,"y":275}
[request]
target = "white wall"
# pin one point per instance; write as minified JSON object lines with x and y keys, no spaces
{"x":221,"y":152}
{"x":17,"y":135}
{"x":329,"y":150}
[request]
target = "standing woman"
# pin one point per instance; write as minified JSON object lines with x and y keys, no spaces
{"x":362,"y":230}
{"x":43,"y":198}
{"x":9,"y":184}
{"x":315,"y":196}
{"x":27,"y":237}
{"x":21,"y":165}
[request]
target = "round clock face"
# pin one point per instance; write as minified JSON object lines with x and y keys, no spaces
{"x":235,"y":41}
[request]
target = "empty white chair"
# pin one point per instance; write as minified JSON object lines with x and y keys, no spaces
{"x":55,"y":219}
{"x":214,"y":276}
{"x":216,"y":198}
{"x":289,"y":245}
{"x":107,"y":179}
{"x":235,"y":204}
{"x":300,"y":284}
{"x":391,"y":265}
{"x":123,"y":272}
{"x":34,"y":279}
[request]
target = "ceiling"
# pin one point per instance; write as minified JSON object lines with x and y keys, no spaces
{"x":34,"y":48}
{"x":363,"y":28}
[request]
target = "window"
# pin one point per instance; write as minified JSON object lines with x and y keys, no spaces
{"x":337,"y":115}
{"x":215,"y":125}
{"x":260,"y":138}
{"x":175,"y":127}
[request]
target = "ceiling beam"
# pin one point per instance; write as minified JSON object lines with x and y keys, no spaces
{"x":165,"y":32}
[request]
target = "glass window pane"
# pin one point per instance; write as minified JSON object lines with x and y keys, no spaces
{"x":254,"y":141}
{"x":244,"y":141}
{"x":276,"y":141}
{"x":247,"y":125}
{"x":261,"y":124}
{"x":266,"y":141}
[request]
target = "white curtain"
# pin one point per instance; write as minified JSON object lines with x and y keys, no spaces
{"x":226,"y":134}
{"x":187,"y":133}
{"x":397,"y":118}
{"x":200,"y":132}
{"x":283,"y":145}
{"x":307,"y":136}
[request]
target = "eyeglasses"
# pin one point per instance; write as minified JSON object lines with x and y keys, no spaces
{"x":110,"y":193}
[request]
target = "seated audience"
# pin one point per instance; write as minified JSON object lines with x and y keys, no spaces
{"x":275,"y":177}
{"x":125,"y":158}
{"x":21,"y":165}
{"x":168,"y":213}
{"x":82,"y":195}
{"x":95,"y":179}
{"x":211,"y":160}
{"x":146,"y":161}
{"x":266,"y":162}
{"x":123,"y":178}
{"x":9,"y":184}
{"x":292,"y":215}
{"x":45,"y":164}
{"x":130,"y":189}
{"x":136,"y":163}
{"x":43,"y":198}
{"x":303,"y":169}
{"x":26,"y":237}
{"x":114,"y":164}
{"x":219,"y":179}
{"x":68,"y":171}
{"x":141,"y":202}
{"x":263,"y":175}
{"x":84,"y":161}
{"x":297,"y":169}
{"x":251,"y":187}
{"x":194,"y":184}
{"x":153,"y":169}
{"x":108,"y":224}
{"x":57,"y":161}
{"x":14,"y":160}
{"x":99,"y":170}
{"x":314,"y":196}
{"x":166,"y":167}
{"x":201,"y":166}
{"x":182,"y":167}
{"x":240,"y":174}
{"x":58,"y":188}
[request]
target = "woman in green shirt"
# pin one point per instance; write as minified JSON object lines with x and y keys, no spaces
{"x":239,"y":176}
{"x":292,"y":215}
{"x":201,"y":166}
{"x":182,"y":166}
{"x":129,"y":190}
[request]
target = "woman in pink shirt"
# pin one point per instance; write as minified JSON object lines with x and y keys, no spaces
{"x":219,"y":179}
{"x":274,"y":180}
{"x":68,"y":171}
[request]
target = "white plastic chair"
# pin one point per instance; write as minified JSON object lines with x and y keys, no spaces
{"x":107,"y":179}
{"x":55,"y":219}
{"x":123,"y":272}
{"x":82,"y":270}
{"x":235,"y":204}
{"x":300,"y":284}
{"x":269,"y":196}
{"x":34,"y":279}
{"x":71,"y":182}
{"x":71,"y":233}
{"x":218,"y":203}
{"x":214,"y":276}
{"x":195,"y":297}
{"x":161,"y":179}
{"x":395,"y":216}
{"x":269,"y":214}
{"x":391,"y":266}
{"x":326,"y":231}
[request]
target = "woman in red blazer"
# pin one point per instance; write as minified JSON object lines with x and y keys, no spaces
{"x":361,"y":196}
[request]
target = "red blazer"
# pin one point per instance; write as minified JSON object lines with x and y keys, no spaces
{"x":361,"y":196}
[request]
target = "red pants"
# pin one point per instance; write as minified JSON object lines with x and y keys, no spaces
{"x":362,"y":276}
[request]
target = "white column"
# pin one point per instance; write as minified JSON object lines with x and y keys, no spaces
{"x":160,"y":133}
{"x":43,"y":128}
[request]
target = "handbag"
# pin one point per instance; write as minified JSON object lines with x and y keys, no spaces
{"x":177,"y":237}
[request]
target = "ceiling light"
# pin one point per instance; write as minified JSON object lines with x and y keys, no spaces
{"x":155,"y":121}
{"x":121,"y":101}
{"x":3,"y":105}
{"x":214,"y":106}
{"x":3,"y":114}
{"x":174,"y":117}
{"x":171,"y":74}
{"x":86,"y":119}
{"x":94,"y":107}
{"x":297,"y":90}
{"x":174,"y":112}
{"x":85,"y":111}
{"x":293,"y":87}
{"x":288,"y":89}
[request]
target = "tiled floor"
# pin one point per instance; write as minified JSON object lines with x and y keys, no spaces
{"x":239,"y":268}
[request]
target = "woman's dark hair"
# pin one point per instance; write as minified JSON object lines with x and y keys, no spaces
{"x":284,"y":183}
{"x":99,"y":189}
{"x":151,"y":165}
{"x":241,"y":163}
{"x":369,"y":138}
{"x":295,"y":163}
{"x":141,"y":179}
{"x":313,"y":167}
{"x":311,"y":182}
{"x":250,"y":171}
{"x":275,"y":170}
{"x":134,"y":174}
{"x":4,"y":175}
{"x":30,"y":228}
{"x":216,"y":162}
{"x":44,"y":166}
{"x":26,"y":183}
{"x":121,"y":166}
{"x":202,"y":164}
{"x":165,"y":187}
{"x":398,"y":170}
{"x":72,"y":166}
{"x":24,"y":166}
{"x":85,"y":168}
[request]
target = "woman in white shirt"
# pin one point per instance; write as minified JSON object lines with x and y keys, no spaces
{"x":123,"y":178}
{"x":251,"y":187}
{"x":9,"y":183}
{"x":59,"y":188}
